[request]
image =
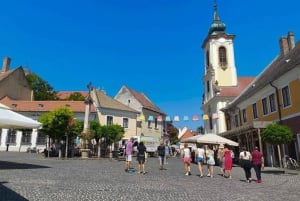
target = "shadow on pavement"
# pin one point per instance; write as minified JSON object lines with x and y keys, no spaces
{"x":9,"y":195}
{"x":12,"y":165}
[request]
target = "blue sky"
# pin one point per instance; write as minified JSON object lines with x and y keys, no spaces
{"x":151,"y":46}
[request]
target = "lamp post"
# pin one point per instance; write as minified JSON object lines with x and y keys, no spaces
{"x":86,"y":126}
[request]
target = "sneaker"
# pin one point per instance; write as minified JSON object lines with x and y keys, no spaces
{"x":259,"y":180}
{"x":144,"y":172}
{"x":187,"y":174}
{"x":211,"y":176}
{"x":250,"y":180}
{"x":201,"y":176}
{"x":190,"y":173}
{"x":208,"y":175}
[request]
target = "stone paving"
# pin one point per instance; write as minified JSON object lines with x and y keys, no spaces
{"x":26,"y":176}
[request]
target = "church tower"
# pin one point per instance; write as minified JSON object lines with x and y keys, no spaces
{"x":220,"y":72}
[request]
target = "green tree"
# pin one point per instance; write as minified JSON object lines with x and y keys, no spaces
{"x":76,"y":96}
{"x":41,"y":89}
{"x":58,"y":123}
{"x":277,"y":134}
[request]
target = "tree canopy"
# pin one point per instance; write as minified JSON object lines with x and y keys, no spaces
{"x":277,"y":134}
{"x":41,"y":89}
{"x":58,"y":123}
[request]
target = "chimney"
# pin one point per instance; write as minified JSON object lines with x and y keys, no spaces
{"x":284,"y":47}
{"x":291,"y":40}
{"x":6,"y":64}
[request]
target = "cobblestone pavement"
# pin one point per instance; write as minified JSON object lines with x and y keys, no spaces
{"x":26,"y":176}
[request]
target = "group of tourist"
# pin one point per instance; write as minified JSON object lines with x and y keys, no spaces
{"x":203,"y":156}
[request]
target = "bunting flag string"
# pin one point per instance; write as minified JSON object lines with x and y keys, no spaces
{"x":176,"y":118}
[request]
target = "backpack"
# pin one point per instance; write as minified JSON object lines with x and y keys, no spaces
{"x":161,"y":150}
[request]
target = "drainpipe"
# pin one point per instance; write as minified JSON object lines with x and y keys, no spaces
{"x":278,"y":104}
{"x":280,"y":120}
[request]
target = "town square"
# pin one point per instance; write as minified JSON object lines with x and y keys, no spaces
{"x":149,"y":100}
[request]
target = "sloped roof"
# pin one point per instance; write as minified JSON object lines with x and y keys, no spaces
{"x":188,"y":133}
{"x":104,"y":101}
{"x":278,"y":67}
{"x":4,"y":74}
{"x":44,"y":106}
{"x":234,"y":91}
{"x":144,"y":101}
{"x":65,"y":94}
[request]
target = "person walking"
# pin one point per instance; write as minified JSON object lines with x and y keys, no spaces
{"x":200,"y":153}
{"x":141,"y":157}
{"x":210,"y":160}
{"x":221,"y":158}
{"x":245,"y":159}
{"x":167,"y":154}
{"x":186,"y":157}
{"x":161,"y":155}
{"x":128,"y":152}
{"x":227,"y":161}
{"x":258,"y":163}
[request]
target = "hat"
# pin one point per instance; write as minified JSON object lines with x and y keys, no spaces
{"x":221,"y":146}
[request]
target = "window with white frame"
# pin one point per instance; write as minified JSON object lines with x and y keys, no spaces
{"x":286,"y":99}
{"x":254,"y":110}
{"x":26,"y":137}
{"x":272,"y":102}
{"x":109,"y":120}
{"x":41,"y":139}
{"x":244,"y":113}
{"x":265,"y":106}
{"x":11,"y":136}
{"x":125,"y":122}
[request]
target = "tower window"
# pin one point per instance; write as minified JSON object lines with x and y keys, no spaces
{"x":222,"y":57}
{"x":207,"y":59}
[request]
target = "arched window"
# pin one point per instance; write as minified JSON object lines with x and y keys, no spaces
{"x":207,"y":59}
{"x":222,"y":57}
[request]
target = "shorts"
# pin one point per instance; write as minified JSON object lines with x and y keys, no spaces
{"x":200,"y":159}
{"x":129,"y":158}
{"x":187,"y":160}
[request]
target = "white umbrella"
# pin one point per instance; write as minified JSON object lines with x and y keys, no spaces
{"x":210,"y":139}
{"x":11,"y":119}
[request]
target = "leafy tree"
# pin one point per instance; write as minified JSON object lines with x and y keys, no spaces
{"x":173,"y":133}
{"x":277,"y":134}
{"x":76,"y":96}
{"x":41,"y":89}
{"x":58,"y":123}
{"x":113,"y":133}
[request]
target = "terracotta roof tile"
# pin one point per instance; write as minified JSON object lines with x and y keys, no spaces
{"x":44,"y":106}
{"x":187,"y":134}
{"x":65,"y":94}
{"x":234,"y":91}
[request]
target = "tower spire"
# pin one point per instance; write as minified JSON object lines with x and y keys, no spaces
{"x":217,"y":25}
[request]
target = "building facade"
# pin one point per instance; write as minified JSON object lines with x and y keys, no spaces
{"x":272,"y":97}
{"x":151,"y":120}
{"x":221,"y":84}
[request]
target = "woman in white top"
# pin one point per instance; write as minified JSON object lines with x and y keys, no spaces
{"x":245,"y":161}
{"x":210,"y":160}
{"x":186,"y":157}
{"x":200,"y":158}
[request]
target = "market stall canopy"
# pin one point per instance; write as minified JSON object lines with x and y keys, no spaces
{"x":11,"y":119}
{"x":210,"y":139}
